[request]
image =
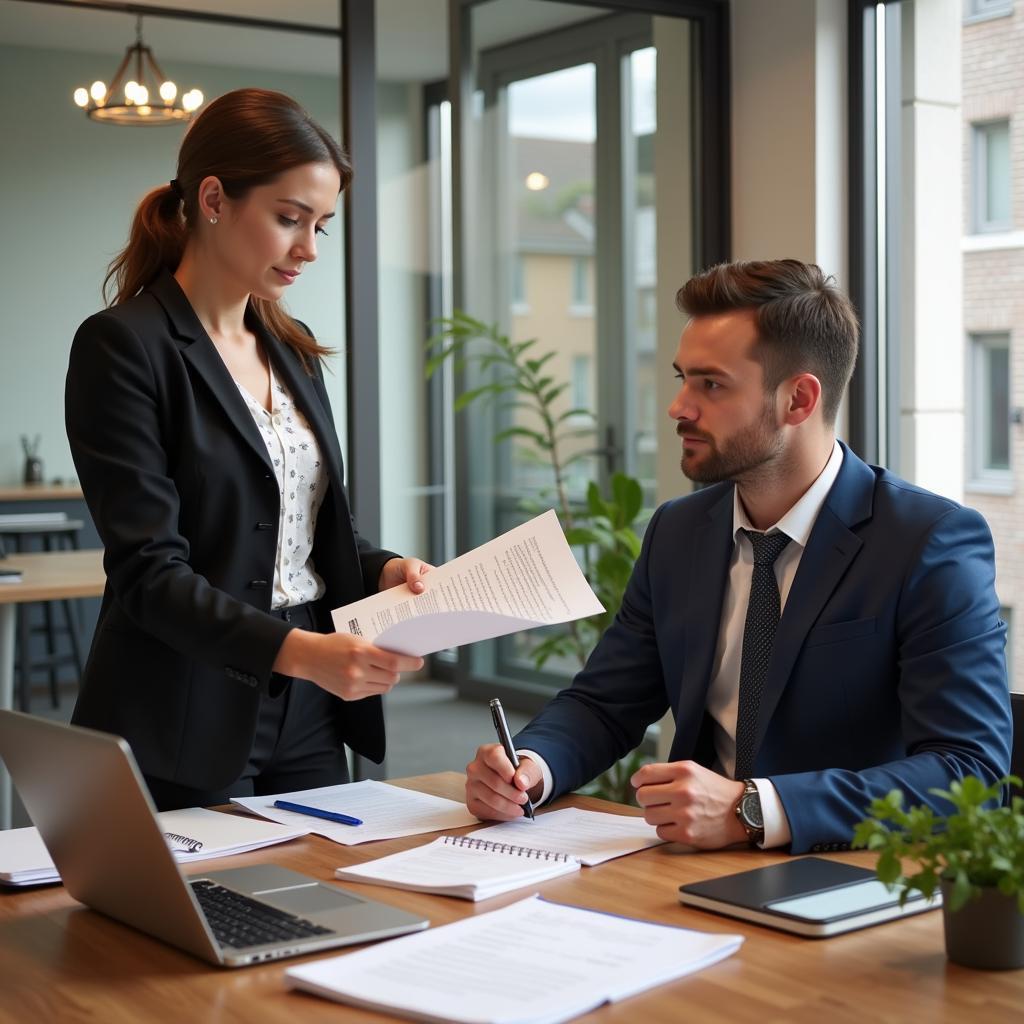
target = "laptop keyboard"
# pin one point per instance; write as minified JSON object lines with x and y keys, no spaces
{"x":239,"y":921}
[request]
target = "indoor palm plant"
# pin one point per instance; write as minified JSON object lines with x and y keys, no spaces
{"x":974,"y":854}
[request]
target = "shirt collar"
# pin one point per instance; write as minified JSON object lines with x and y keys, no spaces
{"x":798,"y":522}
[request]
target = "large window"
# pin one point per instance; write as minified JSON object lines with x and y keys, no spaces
{"x":990,"y":176}
{"x":938,"y":261}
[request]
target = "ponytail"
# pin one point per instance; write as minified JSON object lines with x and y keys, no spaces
{"x":156,"y":242}
{"x":245,"y":138}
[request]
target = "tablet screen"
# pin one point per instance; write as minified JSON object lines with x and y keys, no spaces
{"x":850,"y":899}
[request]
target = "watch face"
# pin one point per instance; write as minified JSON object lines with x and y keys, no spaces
{"x":750,"y":809}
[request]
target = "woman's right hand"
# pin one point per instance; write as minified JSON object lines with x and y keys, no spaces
{"x":347,"y":666}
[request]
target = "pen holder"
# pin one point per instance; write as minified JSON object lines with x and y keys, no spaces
{"x":33,"y":463}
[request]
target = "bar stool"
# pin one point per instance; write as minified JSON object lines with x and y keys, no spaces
{"x":50,"y":536}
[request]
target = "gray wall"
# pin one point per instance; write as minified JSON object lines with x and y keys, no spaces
{"x":68,"y":188}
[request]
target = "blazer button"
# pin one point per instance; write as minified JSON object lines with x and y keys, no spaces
{"x":257,"y":584}
{"x":264,"y":526}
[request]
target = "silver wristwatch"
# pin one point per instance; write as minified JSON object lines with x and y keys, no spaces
{"x":748,"y":813}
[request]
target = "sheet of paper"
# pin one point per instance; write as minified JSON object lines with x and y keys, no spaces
{"x":592,"y":837}
{"x":530,"y":961}
{"x":387,"y":812}
{"x":524,"y":578}
{"x":194,"y":834}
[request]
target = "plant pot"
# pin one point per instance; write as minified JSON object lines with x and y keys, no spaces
{"x":987,"y":932}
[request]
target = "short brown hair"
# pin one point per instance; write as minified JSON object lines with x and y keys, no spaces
{"x":805,"y":324}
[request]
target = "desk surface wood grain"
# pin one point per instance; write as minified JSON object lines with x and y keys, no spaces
{"x":41,"y":492}
{"x":54,"y":576}
{"x":62,"y":962}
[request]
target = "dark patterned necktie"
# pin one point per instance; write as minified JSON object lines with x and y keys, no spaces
{"x":762,"y":621}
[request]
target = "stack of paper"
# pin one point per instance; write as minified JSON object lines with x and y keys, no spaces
{"x":194,"y":833}
{"x":532,"y":961}
{"x":386,"y":812}
{"x":462,"y":866}
{"x":504,"y":857}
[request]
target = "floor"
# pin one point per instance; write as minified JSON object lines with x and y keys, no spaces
{"x":429,"y":729}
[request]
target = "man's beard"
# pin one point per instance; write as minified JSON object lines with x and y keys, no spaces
{"x":743,"y":453}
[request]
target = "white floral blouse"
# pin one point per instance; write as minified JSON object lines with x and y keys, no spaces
{"x":302,"y":483}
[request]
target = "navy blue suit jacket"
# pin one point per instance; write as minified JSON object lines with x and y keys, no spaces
{"x":888,"y":668}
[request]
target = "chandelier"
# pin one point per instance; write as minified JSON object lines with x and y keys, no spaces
{"x":148,"y":98}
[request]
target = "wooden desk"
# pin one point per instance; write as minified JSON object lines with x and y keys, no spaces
{"x":41,"y":492}
{"x":59,"y":961}
{"x":46,"y":576}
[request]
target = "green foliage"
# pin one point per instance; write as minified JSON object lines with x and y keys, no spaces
{"x":979,"y":845}
{"x":603,"y":529}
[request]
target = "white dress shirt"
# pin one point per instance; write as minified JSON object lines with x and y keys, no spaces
{"x":723,"y":693}
{"x":302,"y":484}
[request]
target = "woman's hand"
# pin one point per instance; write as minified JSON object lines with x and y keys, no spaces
{"x":404,"y":570}
{"x":347,"y":666}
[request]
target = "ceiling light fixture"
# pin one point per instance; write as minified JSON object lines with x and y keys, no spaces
{"x":150,"y":98}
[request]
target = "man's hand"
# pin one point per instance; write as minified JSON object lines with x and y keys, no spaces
{"x":403,"y":570}
{"x":495,"y":791}
{"x":690,"y":804}
{"x":347,"y":666}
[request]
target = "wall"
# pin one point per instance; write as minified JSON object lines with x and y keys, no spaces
{"x":69,"y":188}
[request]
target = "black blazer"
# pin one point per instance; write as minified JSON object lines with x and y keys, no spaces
{"x":185,"y":500}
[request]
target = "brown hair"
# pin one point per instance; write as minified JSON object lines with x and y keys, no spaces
{"x":804,"y":322}
{"x":245,"y":138}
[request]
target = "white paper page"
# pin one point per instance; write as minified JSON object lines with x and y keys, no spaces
{"x":443,"y":864}
{"x":475,"y":971}
{"x":524,"y":578}
{"x":592,"y":837}
{"x":25,"y":860}
{"x":387,"y":812}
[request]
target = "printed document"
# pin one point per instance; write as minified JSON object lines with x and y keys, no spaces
{"x":592,"y":837}
{"x":387,"y":812}
{"x":522,"y":579}
{"x":532,"y":961}
{"x":194,"y":833}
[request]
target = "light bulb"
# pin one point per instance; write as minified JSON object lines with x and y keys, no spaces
{"x":168,"y":90}
{"x":130,"y":88}
{"x":98,"y":91}
{"x":81,"y":97}
{"x":537,"y":182}
{"x":192,"y":100}
{"x":141,"y":95}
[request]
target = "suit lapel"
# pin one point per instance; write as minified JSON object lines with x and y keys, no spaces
{"x":712,"y":544}
{"x":204,"y":357}
{"x":831,"y":548}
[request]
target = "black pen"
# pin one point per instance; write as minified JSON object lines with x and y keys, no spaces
{"x":505,"y":738}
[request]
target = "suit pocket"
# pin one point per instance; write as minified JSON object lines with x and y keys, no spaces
{"x":837,"y":632}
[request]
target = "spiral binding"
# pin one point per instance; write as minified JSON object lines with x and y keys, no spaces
{"x":512,"y":850}
{"x":188,"y":844}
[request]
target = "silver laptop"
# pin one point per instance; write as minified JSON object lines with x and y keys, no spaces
{"x":86,"y":796}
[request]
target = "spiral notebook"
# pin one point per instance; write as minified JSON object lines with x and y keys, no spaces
{"x":472,"y":869}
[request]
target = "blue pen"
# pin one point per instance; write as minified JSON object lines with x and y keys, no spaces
{"x":318,"y":812}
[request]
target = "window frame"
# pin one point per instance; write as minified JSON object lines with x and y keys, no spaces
{"x":981,"y":477}
{"x":981,"y":131}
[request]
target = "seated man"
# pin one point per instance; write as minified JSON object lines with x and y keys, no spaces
{"x":821,"y":630}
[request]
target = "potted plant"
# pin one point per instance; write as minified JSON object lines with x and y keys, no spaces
{"x":974,"y":855}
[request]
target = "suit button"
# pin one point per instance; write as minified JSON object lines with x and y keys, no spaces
{"x":257,"y":584}
{"x":816,"y":848}
{"x":264,"y":526}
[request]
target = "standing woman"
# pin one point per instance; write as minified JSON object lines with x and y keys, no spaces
{"x":202,"y":433}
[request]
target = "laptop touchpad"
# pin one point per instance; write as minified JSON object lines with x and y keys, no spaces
{"x":311,"y":899}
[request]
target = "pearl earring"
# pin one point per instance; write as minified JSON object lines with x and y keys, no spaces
{"x":213,"y":220}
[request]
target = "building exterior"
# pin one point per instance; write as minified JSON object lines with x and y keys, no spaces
{"x":993,"y":276}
